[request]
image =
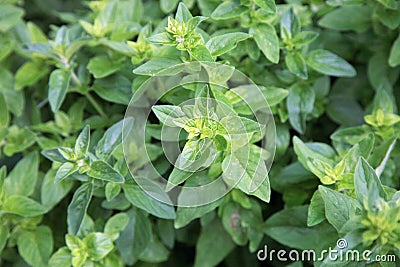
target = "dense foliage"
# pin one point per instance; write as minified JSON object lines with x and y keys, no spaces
{"x":72,"y":193}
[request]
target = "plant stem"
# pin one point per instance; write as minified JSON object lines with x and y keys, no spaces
{"x":96,"y":105}
{"x":379,"y":170}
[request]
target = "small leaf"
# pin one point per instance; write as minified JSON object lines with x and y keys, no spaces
{"x":98,"y":245}
{"x":267,"y":5}
{"x":394,"y":57}
{"x":329,"y":63}
{"x":116,"y":224}
{"x":167,"y":113}
{"x":267,"y":40}
{"x":103,"y":171}
{"x":157,"y":65}
{"x":300,"y":103}
{"x":228,"y":10}
{"x":65,"y":170}
{"x":112,"y":138}
{"x":143,"y":200}
{"x":168,"y":5}
{"x":82,"y":142}
{"x":53,"y":154}
{"x":183,"y":13}
{"x":201,"y":53}
{"x":297,"y":65}
{"x":58,"y":86}
{"x":224,"y":43}
{"x":304,"y":37}
{"x":367,"y":185}
{"x":78,"y":207}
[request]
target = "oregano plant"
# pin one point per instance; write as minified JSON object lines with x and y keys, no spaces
{"x":199,"y":133}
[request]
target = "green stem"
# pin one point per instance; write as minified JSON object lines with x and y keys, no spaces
{"x":75,"y":78}
{"x":96,"y":105}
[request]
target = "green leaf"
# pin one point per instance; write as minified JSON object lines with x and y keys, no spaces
{"x":394,"y":57}
{"x":246,"y":169}
{"x":300,"y":103}
{"x":103,"y":171}
{"x":4,"y":234}
{"x":390,"y":4}
{"x":297,"y":65}
{"x":52,"y":193}
{"x":98,"y":245}
{"x":155,"y":252}
{"x":201,"y":53}
{"x":22,"y":179}
{"x":14,"y":99}
{"x":157,"y":65}
{"x":112,"y":190}
{"x":23,"y":206}
{"x":78,"y":207}
{"x":168,"y":5}
{"x":65,"y":170}
{"x":290,"y":24}
{"x":36,"y":246}
{"x":357,"y":18}
{"x":210,"y":250}
{"x":53,"y":154}
{"x":112,"y":138}
{"x":304,"y":38}
{"x":267,"y":5}
{"x":135,"y":237}
{"x":61,"y":258}
{"x":184,"y":215}
{"x":367,"y":185}
{"x":116,"y":224}
{"x":316,"y":210}
{"x":228,"y":10}
{"x":28,"y":74}
{"x":102,"y":66}
{"x":58,"y":86}
{"x":289,"y":226}
{"x":329,"y":63}
{"x":9,"y":16}
{"x":339,"y":208}
{"x":168,"y":113}
{"x":82,"y":142}
{"x":141,"y":199}
{"x":307,"y":156}
{"x":177,"y":177}
{"x":4,"y":116}
{"x":221,"y":44}
{"x":183,"y":13}
{"x":115,"y":88}
{"x":267,"y":40}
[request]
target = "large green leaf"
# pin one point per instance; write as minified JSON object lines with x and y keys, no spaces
{"x":35,"y":246}
{"x":329,"y":63}
{"x":211,"y":250}
{"x":139,"y":198}
{"x":22,"y":206}
{"x":9,"y":16}
{"x":22,"y":178}
{"x":58,"y":86}
{"x":267,"y":40}
{"x":78,"y":207}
